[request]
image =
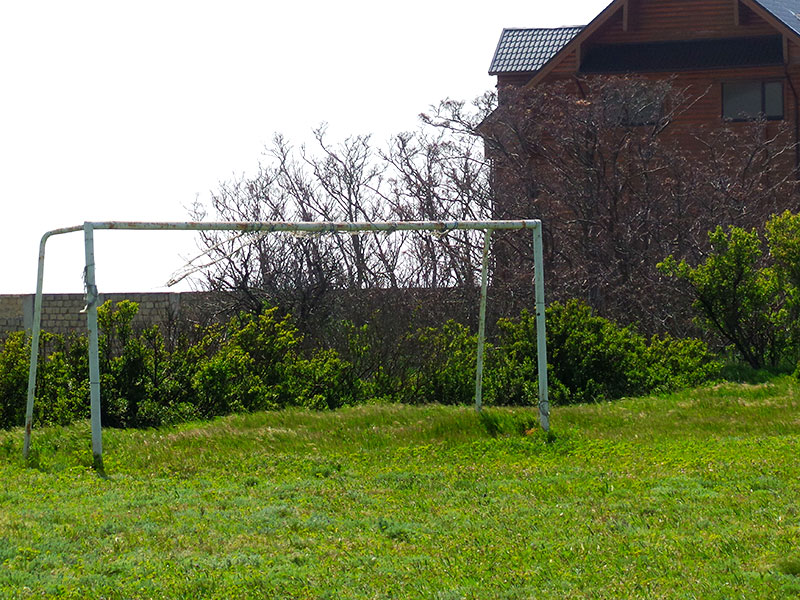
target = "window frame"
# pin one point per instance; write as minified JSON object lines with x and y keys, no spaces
{"x":762,"y":83}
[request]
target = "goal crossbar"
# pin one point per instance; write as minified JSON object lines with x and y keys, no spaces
{"x":89,"y":227}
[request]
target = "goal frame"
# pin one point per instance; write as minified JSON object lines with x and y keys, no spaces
{"x":89,"y":227}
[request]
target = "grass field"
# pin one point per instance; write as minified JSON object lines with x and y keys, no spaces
{"x":693,"y":495}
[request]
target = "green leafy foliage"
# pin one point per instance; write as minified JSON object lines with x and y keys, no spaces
{"x":746,"y":296}
{"x":323,"y":381}
{"x":442,"y":368}
{"x":783,"y":237}
{"x":672,"y":364}
{"x":62,"y":384}
{"x":14,"y":355}
{"x":258,"y":362}
{"x":249,"y":370}
{"x":142,"y":384}
{"x":258,"y":366}
{"x":591,"y":359}
{"x":62,"y":389}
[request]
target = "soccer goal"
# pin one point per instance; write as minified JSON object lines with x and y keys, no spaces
{"x":321,"y":228}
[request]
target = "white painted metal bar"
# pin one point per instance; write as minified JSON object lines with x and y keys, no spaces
{"x":94,"y":347}
{"x":35,"y":333}
{"x":541,"y":339}
{"x":270,"y":226}
{"x":487,"y":235}
{"x":319,"y":226}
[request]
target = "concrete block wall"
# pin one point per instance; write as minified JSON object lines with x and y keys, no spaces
{"x":61,"y":313}
{"x":180,"y":312}
{"x":13,"y":313}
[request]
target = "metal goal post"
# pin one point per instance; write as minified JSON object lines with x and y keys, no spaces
{"x":534,"y":225}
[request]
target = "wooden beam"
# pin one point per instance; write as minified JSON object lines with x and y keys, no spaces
{"x":596,"y":23}
{"x":785,"y":50}
{"x":626,"y":10}
{"x":736,"y":17}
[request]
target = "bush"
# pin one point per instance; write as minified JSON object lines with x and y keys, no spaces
{"x":430,"y":364}
{"x":747,"y":298}
{"x":256,"y":362}
{"x":142,"y":384}
{"x":674,"y":364}
{"x":249,"y":370}
{"x":258,"y":366}
{"x":62,"y":385}
{"x":591,"y":359}
{"x":62,"y":388}
{"x":14,"y":356}
{"x":251,"y":364}
{"x":324,"y":381}
{"x":441,"y":365}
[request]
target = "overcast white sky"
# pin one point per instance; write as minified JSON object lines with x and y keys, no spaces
{"x":116,"y":110}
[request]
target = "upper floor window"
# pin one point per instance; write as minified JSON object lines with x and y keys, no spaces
{"x":750,"y":100}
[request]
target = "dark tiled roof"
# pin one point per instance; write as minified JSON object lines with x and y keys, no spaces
{"x":525,"y":50}
{"x":678,"y":56}
{"x":785,"y":11}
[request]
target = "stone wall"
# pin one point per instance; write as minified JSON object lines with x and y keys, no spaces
{"x":61,"y":313}
{"x":180,"y":312}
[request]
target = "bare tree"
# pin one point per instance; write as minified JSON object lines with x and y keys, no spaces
{"x":620,"y":184}
{"x":604,"y":162}
{"x":417,"y":177}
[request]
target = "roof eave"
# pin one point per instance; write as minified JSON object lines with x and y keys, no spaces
{"x":496,"y":50}
{"x":616,"y":5}
{"x":593,"y":25}
{"x":512,"y":72}
{"x":771,"y":18}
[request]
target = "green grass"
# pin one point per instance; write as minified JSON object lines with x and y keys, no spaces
{"x":690,"y":495}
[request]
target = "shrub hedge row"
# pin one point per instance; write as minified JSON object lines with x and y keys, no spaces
{"x":256,"y":362}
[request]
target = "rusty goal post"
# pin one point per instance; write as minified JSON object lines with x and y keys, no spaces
{"x":264,"y":227}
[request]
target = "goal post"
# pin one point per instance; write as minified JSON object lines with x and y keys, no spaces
{"x":88,"y":228}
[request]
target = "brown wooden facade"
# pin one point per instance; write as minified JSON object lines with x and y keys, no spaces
{"x":626,"y":23}
{"x":603,"y":229}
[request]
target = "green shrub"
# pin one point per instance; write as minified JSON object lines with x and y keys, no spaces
{"x":252,"y":368}
{"x":256,"y":362}
{"x":441,"y":365}
{"x":746,"y":296}
{"x":62,"y":389}
{"x":378,"y":364}
{"x":142,"y":384}
{"x":14,"y":356}
{"x":324,"y":381}
{"x":433,"y":364}
{"x":510,"y":378}
{"x":678,"y":363}
{"x":591,"y":359}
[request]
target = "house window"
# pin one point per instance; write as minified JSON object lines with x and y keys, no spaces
{"x":749,"y":100}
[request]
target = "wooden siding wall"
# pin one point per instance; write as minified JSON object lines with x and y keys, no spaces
{"x":706,"y":86}
{"x":671,"y":20}
{"x":704,"y":101}
{"x":680,"y":20}
{"x":566,"y":66}
{"x":510,"y":80}
{"x":504,"y":79}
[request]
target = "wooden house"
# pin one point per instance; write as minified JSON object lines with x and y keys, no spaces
{"x":741,"y":56}
{"x":738,"y":62}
